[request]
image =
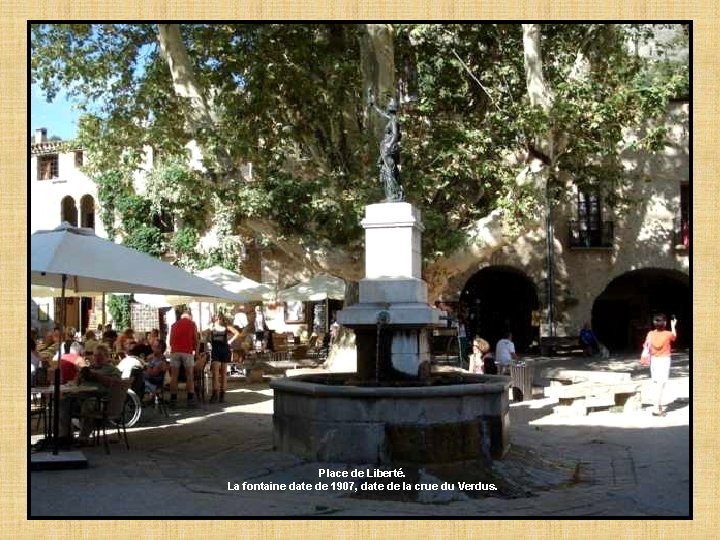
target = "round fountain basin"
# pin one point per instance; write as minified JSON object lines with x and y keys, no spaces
{"x":333,"y":418}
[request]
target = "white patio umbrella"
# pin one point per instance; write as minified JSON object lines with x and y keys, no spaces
{"x":317,"y":288}
{"x":249,"y":290}
{"x":38,"y":291}
{"x":76,"y":259}
{"x":86,"y":262}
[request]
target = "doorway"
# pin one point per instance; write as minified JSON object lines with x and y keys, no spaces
{"x":622,"y":313}
{"x":497,"y":299}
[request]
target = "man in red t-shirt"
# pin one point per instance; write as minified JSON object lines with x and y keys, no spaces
{"x":183,"y":346}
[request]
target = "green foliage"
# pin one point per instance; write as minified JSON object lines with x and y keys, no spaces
{"x":289,"y":99}
{"x":112,"y":187}
{"x":174,"y":187}
{"x":136,"y":213}
{"x":184,"y":240}
{"x":119,"y":307}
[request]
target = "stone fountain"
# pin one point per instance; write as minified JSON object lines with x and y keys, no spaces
{"x":393,"y":410}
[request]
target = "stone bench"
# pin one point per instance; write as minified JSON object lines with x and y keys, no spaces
{"x":552,"y":345}
{"x":579,"y":391}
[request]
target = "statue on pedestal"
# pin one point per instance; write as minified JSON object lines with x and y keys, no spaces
{"x":389,"y":160}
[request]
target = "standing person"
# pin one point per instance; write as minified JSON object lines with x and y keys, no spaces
{"x":220,"y":355}
{"x":463,"y":341}
{"x":260,"y":328}
{"x":659,"y":341}
{"x":588,"y":341}
{"x":183,"y":346}
{"x":505,"y":352}
{"x":240,"y":322}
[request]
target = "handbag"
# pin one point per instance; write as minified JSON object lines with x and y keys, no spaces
{"x":645,"y":355}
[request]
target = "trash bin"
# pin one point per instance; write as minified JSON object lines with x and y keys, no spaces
{"x":521,"y":378}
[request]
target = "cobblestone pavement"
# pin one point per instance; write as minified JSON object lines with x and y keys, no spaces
{"x":603,"y":464}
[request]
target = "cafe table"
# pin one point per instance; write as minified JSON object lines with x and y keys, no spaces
{"x":69,"y":390}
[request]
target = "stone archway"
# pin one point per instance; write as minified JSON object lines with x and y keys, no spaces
{"x":622,"y":313}
{"x":87,"y":212}
{"x":500,"y":298}
{"x":69,"y":211}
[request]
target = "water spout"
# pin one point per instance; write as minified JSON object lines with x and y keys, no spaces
{"x":383,"y":319}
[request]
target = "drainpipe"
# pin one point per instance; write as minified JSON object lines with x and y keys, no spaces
{"x":550,"y":248}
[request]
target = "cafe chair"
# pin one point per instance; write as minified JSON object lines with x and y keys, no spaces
{"x":200,"y":377}
{"x":111,"y":413}
{"x":38,"y":407}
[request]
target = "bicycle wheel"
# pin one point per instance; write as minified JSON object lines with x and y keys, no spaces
{"x":132,"y":410}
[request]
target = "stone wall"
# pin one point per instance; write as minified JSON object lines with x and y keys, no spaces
{"x":643,"y":235}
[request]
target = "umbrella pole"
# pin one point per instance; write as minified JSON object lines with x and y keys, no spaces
{"x":56,"y":382}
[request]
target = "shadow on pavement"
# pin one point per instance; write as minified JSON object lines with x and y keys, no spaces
{"x":602,"y":464}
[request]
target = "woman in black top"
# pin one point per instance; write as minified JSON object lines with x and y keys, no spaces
{"x":220,"y":355}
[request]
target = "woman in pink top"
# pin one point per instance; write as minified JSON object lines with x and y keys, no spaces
{"x":659,"y":341}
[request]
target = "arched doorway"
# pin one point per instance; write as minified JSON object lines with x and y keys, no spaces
{"x":68,"y":211}
{"x":501,"y":298}
{"x":622,"y":313}
{"x":87,"y":212}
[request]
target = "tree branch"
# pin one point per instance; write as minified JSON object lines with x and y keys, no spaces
{"x":199,"y":116}
{"x":475,"y":79}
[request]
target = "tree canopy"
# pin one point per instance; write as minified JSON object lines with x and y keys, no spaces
{"x":482,"y":106}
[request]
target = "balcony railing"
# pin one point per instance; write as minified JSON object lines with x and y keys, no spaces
{"x":681,"y":233}
{"x":583,"y":235}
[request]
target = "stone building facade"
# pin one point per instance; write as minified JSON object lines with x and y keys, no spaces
{"x":60,"y":191}
{"x":611,"y":267}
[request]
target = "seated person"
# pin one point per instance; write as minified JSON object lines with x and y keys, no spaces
{"x":155,"y":367}
{"x":100,"y":376}
{"x":90,"y":341}
{"x":109,"y":336}
{"x":35,"y":362}
{"x":131,"y":359}
{"x":71,"y":363}
{"x":479,"y":348}
{"x":588,"y":341}
{"x":482,"y":359}
{"x":143,"y":348}
{"x":505,"y":353}
{"x":489,"y":366}
{"x":50,"y":345}
{"x":120,"y":343}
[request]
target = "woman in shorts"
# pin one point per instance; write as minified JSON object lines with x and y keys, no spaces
{"x":220,"y":355}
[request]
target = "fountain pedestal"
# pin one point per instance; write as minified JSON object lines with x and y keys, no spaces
{"x":386,"y":413}
{"x":392,"y":316}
